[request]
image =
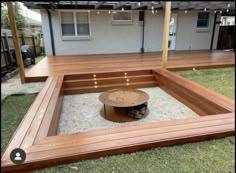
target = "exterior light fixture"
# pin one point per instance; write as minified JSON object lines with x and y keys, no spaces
{"x":227,"y":10}
{"x":205,"y":9}
{"x":156,"y":11}
{"x":139,"y":4}
{"x":152,"y":7}
{"x":122,"y":9}
{"x":185,"y":11}
{"x":228,"y":5}
{"x":98,"y":12}
{"x":214,"y":11}
{"x":152,"y":11}
{"x":220,"y":11}
{"x":109,"y":12}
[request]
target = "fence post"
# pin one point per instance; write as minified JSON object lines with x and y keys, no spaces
{"x":4,"y":54}
{"x":35,"y":53}
{"x":22,"y":38}
{"x":8,"y":48}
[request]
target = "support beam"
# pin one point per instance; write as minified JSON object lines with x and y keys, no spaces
{"x":19,"y":59}
{"x":120,"y":5}
{"x":154,"y":6}
{"x":139,"y":5}
{"x":98,"y":4}
{"x":166,"y":33}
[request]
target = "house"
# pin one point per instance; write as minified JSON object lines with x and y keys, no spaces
{"x":94,"y":27}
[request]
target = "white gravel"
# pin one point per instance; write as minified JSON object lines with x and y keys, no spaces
{"x":81,"y":112}
{"x":14,"y":86}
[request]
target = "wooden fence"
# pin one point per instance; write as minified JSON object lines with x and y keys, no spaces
{"x":7,"y":48}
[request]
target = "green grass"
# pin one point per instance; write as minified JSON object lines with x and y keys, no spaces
{"x":214,"y":156}
{"x":219,"y":80}
{"x":13,"y":110}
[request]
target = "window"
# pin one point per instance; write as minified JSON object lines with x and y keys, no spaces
{"x":67,"y":24}
{"x":203,"y":20}
{"x":121,"y":17}
{"x":75,"y":24}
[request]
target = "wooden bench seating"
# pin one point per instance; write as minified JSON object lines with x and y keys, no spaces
{"x":44,"y":112}
{"x":37,"y":133}
{"x":78,"y":146}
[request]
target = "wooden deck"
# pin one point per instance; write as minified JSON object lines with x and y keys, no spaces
{"x":36,"y":134}
{"x":178,"y":60}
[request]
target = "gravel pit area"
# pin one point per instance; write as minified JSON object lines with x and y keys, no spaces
{"x":81,"y":112}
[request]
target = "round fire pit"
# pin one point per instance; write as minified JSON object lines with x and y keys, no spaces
{"x":124,"y":105}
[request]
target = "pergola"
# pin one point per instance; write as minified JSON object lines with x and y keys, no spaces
{"x":133,"y":5}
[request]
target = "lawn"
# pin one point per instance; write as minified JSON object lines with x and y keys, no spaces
{"x":216,"y":156}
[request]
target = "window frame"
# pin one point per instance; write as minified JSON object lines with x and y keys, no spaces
{"x":118,"y":22}
{"x":204,"y":29}
{"x":76,"y":36}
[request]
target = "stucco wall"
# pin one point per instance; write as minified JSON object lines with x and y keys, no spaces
{"x":108,"y":38}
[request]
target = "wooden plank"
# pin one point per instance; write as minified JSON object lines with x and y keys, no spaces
{"x":107,"y":75}
{"x":52,"y":113}
{"x":66,"y":155}
{"x":107,"y":81}
{"x":40,"y":114}
{"x":127,"y":134}
{"x":100,"y":88}
{"x":107,"y":63}
{"x":19,"y":59}
{"x":183,"y":121}
{"x":166,"y":34}
{"x":196,"y":93}
{"x":20,"y":132}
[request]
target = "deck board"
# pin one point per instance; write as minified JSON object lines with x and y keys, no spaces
{"x":79,"y":64}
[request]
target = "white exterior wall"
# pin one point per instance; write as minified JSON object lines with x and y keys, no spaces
{"x":46,"y":32}
{"x":188,"y":38}
{"x":108,"y":38}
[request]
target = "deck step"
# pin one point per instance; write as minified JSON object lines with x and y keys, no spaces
{"x":107,"y":81}
{"x":107,"y":75}
{"x":100,"y":88}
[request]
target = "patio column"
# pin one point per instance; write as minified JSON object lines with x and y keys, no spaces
{"x":19,"y":59}
{"x":166,"y":34}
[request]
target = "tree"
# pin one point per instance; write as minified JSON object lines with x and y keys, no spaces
{"x":19,"y":18}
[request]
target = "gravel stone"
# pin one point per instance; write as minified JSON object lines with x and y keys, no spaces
{"x":14,"y":86}
{"x":81,"y":112}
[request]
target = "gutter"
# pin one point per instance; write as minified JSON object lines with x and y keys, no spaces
{"x":51,"y":32}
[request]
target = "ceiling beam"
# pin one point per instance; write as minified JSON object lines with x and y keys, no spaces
{"x":139,"y":5}
{"x":99,"y":4}
{"x":155,"y":6}
{"x":119,"y":5}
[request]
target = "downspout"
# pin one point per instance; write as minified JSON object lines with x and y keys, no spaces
{"x":142,"y":49}
{"x":51,"y":32}
{"x":213,"y":32}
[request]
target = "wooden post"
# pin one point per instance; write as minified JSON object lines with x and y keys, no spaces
{"x":166,"y":34}
{"x":19,"y":59}
{"x":33,"y":42}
